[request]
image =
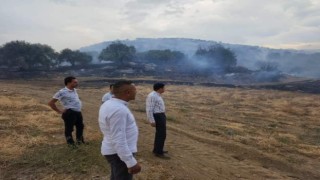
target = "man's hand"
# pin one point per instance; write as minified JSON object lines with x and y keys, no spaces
{"x":134,"y":169}
{"x":53,"y":106}
{"x":63,"y":111}
{"x":153,"y":124}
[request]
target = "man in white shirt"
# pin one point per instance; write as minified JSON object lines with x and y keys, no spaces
{"x":120,"y":132}
{"x":108,"y":95}
{"x":71,"y":113}
{"x":156,"y":115}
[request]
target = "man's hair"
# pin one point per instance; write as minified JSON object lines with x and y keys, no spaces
{"x":118,"y":86}
{"x":158,"y":86}
{"x":111,"y":85}
{"x":68,"y":79}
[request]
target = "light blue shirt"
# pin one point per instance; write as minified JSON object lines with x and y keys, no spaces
{"x":69,"y":99}
{"x":106,"y":97}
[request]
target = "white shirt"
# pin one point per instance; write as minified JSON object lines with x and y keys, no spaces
{"x":106,"y":97}
{"x":154,"y":104}
{"x":120,"y":131}
{"x":69,"y":99}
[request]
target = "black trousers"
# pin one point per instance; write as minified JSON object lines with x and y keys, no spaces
{"x":73,"y":118}
{"x":161,"y":132}
{"x":119,"y":170}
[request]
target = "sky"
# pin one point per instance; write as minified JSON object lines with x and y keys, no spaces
{"x":73,"y":24}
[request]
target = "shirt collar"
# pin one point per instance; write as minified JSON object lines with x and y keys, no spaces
{"x":69,"y":89}
{"x":157,"y":93}
{"x":120,"y":101}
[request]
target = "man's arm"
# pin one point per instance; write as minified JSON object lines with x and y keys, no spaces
{"x":119,"y":140}
{"x":104,"y":97}
{"x":150,"y":103}
{"x":52,"y":104}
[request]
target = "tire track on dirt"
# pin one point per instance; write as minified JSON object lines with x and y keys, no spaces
{"x":192,"y":159}
{"x":242,"y":153}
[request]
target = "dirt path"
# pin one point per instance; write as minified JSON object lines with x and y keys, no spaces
{"x":193,"y":157}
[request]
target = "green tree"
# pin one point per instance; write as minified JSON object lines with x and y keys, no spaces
{"x":163,"y":57}
{"x":217,"y":56}
{"x":118,"y":52}
{"x":42,"y":56}
{"x":82,"y":58}
{"x":267,"y":66}
{"x":14,"y":54}
{"x":74,"y":57}
{"x":27,"y":56}
{"x":65,"y":56}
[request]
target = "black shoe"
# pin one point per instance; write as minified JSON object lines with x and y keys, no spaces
{"x":164,"y":152}
{"x":69,"y":140}
{"x":82,"y":142}
{"x":163,"y":156}
{"x":72,"y":145}
{"x":79,"y":142}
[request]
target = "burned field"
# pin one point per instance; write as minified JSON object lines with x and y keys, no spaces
{"x":304,"y":86}
{"x":213,"y":133}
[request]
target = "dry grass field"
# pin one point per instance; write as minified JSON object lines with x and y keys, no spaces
{"x":213,"y":133}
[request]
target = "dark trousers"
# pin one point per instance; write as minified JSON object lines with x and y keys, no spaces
{"x":73,"y":118}
{"x":119,"y":170}
{"x":161,"y":132}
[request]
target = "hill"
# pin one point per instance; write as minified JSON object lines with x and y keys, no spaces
{"x":294,"y":62}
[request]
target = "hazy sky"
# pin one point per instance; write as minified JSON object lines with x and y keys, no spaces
{"x":77,"y":23}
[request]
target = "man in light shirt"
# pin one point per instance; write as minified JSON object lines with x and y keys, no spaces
{"x":108,"y":95}
{"x":156,"y":115}
{"x":120,"y":132}
{"x":71,"y":112}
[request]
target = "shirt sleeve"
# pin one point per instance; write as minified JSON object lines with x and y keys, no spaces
{"x":150,"y":104}
{"x":104,"y":98}
{"x":58,"y":95}
{"x":119,"y":139}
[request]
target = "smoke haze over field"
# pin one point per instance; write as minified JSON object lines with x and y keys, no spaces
{"x":298,"y":63}
{"x":77,"y":23}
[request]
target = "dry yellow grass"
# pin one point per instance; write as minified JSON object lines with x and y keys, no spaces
{"x":213,"y":133}
{"x":19,"y":128}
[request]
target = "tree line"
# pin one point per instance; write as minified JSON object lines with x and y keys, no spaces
{"x":27,"y":56}
{"x":206,"y":59}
